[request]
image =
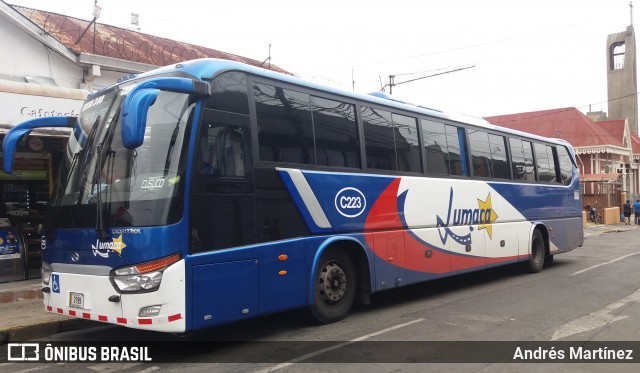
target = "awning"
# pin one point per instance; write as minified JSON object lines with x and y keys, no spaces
{"x":24,"y":101}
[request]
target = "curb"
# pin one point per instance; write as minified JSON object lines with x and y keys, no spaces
{"x":10,"y":296}
{"x":42,"y":330}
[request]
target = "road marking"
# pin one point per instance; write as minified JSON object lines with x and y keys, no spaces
{"x":340,"y":345}
{"x":602,"y":264}
{"x":32,"y":369}
{"x":153,"y":368}
{"x":112,"y":367}
{"x":596,"y":319}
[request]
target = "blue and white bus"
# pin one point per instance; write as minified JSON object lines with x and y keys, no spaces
{"x":211,"y":191}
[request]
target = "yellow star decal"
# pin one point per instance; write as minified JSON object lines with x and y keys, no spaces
{"x":118,"y":245}
{"x":487,"y":215}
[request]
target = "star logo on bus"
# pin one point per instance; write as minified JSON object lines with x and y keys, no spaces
{"x":487,"y":215}
{"x":118,"y":245}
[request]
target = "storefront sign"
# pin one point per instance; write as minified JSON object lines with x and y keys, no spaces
{"x":16,"y":108}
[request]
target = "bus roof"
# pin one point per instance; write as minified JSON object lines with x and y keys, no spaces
{"x":209,"y":68}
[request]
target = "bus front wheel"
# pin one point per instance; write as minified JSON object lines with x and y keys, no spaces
{"x":536,"y":259}
{"x":334,"y":289}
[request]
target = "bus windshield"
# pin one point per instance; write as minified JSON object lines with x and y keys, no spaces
{"x":102,"y":183}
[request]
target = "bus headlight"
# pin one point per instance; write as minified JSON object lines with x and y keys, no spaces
{"x":45,"y":272}
{"x":141,"y":278}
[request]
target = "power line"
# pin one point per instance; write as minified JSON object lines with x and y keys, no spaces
{"x":392,"y":82}
{"x":554,"y":112}
{"x":469,"y":46}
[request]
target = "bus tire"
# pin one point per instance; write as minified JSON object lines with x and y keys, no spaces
{"x":536,"y":259}
{"x":548,"y":260}
{"x":334,"y":288}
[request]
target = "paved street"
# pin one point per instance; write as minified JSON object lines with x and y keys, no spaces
{"x":589,"y":294}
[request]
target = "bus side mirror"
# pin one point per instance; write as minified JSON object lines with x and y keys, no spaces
{"x":135,"y":107}
{"x":133,"y":117}
{"x":21,"y":130}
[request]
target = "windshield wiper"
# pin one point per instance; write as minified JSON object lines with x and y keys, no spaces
{"x":101,"y":229}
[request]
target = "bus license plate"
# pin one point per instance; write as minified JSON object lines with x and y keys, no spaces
{"x":76,"y":300}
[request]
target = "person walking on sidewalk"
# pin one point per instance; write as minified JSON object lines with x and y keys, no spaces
{"x":636,"y":209}
{"x":626,"y":210}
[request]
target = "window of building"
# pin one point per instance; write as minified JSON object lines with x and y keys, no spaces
{"x":617,"y":55}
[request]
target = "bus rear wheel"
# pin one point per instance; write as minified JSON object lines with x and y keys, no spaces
{"x":536,"y":259}
{"x":335,"y":287}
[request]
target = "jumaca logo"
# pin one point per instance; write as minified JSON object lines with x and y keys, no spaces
{"x":482,"y":217}
{"x":103,"y":248}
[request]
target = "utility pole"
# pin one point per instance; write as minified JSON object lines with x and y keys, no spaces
{"x":392,"y":78}
{"x":267,"y":59}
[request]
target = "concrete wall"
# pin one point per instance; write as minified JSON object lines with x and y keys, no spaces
{"x":25,"y":56}
{"x":622,"y":83}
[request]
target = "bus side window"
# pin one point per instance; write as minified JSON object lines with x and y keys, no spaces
{"x":480,"y":153}
{"x":544,"y":163}
{"x":566,"y":166}
{"x":379,"y":139}
{"x":223,"y":152}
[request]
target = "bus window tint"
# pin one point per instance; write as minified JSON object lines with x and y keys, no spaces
{"x":229,"y":93}
{"x":406,"y":141}
{"x":544,"y":163}
{"x":285,"y":130}
{"x":566,"y":165}
{"x":223,"y":151}
{"x":336,"y":134}
{"x":480,"y":153}
{"x":442,"y":148}
{"x":499,"y":157}
{"x":378,"y":136}
{"x":522,"y":160}
{"x":435,"y":147}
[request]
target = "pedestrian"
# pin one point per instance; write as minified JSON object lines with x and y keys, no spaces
{"x":626,"y":210}
{"x":636,"y":209}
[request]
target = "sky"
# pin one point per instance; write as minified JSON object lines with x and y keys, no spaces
{"x":524,"y":55}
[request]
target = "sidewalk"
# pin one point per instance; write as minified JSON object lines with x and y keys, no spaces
{"x":22,"y":315}
{"x":593,"y":229}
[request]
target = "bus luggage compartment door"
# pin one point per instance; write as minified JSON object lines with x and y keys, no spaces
{"x":224,"y":292}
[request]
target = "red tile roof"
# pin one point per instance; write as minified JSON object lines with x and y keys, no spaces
{"x":635,"y":143}
{"x":569,"y":124}
{"x":116,"y":42}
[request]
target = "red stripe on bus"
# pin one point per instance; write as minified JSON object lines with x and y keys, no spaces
{"x":175,"y":317}
{"x":102,"y":318}
{"x":49,"y":308}
{"x":121,"y":320}
{"x":60,"y":310}
{"x":86,"y":315}
{"x":72,"y":312}
{"x":145,"y":321}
